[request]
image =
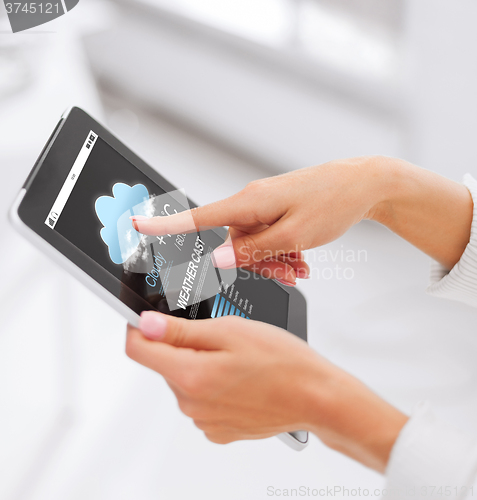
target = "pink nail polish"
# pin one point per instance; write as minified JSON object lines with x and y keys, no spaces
{"x":302,"y":274}
{"x":286,"y":283}
{"x":224,"y":257}
{"x":135,"y":218}
{"x":138,"y":217}
{"x":153,"y":325}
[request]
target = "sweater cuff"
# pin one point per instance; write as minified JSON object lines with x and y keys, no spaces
{"x":430,"y":459}
{"x":461,"y":282}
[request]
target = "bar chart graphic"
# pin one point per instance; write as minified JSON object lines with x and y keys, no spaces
{"x":223,"y":307}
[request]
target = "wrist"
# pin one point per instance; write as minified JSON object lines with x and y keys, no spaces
{"x":351,"y":419}
{"x":385,"y":178}
{"x":431,"y":212}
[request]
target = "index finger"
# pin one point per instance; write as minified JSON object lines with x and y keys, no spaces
{"x":220,"y":213}
{"x":169,"y":361}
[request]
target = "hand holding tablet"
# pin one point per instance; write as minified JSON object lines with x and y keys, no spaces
{"x":76,"y":206}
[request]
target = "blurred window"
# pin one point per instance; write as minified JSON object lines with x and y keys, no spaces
{"x":265,"y":21}
{"x":361,"y":37}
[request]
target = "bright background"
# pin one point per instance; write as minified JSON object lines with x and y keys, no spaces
{"x":214,"y":94}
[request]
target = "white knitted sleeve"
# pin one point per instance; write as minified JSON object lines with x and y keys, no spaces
{"x":431,"y":460}
{"x":460,"y":283}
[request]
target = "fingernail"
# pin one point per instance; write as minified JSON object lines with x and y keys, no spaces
{"x":135,"y":218}
{"x":302,"y":274}
{"x":286,"y":283}
{"x":153,"y":325}
{"x":224,"y":257}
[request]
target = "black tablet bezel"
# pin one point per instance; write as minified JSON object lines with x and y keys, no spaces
{"x":46,"y":179}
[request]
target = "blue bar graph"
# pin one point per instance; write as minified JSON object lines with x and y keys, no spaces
{"x":223,"y":307}
{"x":226,"y":309}
{"x":216,"y":303}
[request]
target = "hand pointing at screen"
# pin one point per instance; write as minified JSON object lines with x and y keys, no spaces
{"x":273,"y":220}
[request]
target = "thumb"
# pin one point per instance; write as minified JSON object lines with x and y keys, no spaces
{"x":179,"y":332}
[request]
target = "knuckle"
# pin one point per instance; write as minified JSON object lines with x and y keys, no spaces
{"x":202,"y":384}
{"x":293,"y":235}
{"x":231,"y":323}
{"x":203,"y":425}
{"x":132,"y":345}
{"x":186,"y":406}
{"x":195,"y":383}
{"x":231,"y":327}
{"x":187,"y":382}
{"x":256,"y":186}
{"x":196,"y":214}
{"x":249,"y":251}
{"x":218,"y":438}
{"x":179,"y":334}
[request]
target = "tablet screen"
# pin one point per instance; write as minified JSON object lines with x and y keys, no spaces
{"x":173,"y":273}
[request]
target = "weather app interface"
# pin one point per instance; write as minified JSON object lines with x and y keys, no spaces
{"x":173,"y":273}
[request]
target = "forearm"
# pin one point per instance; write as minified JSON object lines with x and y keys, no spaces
{"x":431,"y":212}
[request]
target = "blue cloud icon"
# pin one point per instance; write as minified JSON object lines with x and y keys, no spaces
{"x":114,"y":211}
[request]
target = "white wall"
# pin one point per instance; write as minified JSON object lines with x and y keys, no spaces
{"x":442,"y":83}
